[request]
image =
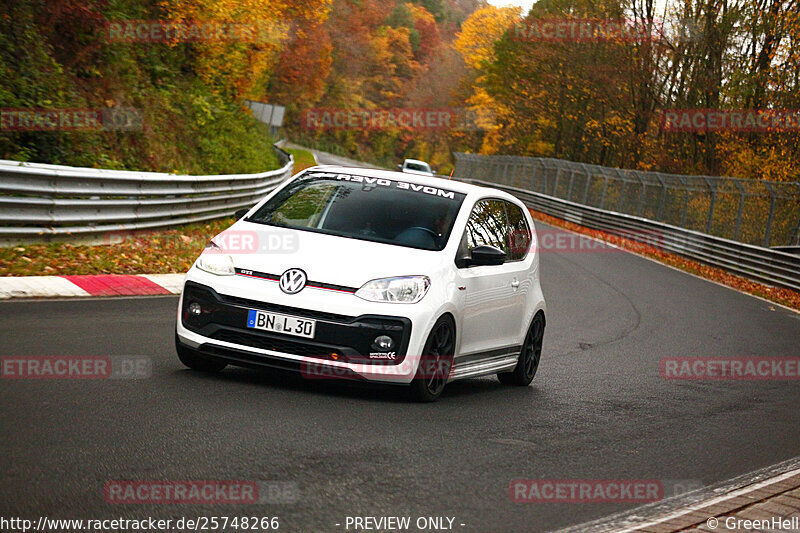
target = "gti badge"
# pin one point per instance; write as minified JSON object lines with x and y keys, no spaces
{"x":293,"y":280}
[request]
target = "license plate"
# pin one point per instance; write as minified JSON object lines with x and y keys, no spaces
{"x":299,"y":327}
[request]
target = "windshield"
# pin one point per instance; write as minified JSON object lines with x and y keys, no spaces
{"x":366,"y":208}
{"x":421,"y":167}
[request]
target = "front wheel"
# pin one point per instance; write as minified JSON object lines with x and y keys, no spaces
{"x":435,"y":362}
{"x":529,"y":356}
{"x":195,"y":361}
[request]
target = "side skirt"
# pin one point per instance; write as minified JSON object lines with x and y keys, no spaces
{"x":484,"y":363}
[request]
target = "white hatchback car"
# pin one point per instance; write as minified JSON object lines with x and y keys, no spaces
{"x":415,"y":166}
{"x":374,"y":275}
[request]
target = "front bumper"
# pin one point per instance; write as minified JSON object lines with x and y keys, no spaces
{"x":342,"y":346}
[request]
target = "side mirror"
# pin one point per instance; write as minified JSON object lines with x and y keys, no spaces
{"x":241,"y":212}
{"x":487,"y":255}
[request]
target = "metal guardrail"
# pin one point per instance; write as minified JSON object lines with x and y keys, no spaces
{"x":765,"y":265}
{"x":759,"y":212}
{"x":39,"y":202}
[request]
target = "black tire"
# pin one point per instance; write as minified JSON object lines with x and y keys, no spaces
{"x":436,"y":361}
{"x":529,"y":356}
{"x":195,"y":361}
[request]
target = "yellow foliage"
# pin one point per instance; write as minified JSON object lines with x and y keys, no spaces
{"x":238,"y":65}
{"x":475,"y":41}
{"x":742,"y":159}
{"x":420,"y":14}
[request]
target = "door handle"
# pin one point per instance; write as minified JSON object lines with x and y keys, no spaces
{"x":515,"y":283}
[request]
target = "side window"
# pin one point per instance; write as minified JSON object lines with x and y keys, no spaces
{"x":519,"y":237}
{"x":487,"y":226}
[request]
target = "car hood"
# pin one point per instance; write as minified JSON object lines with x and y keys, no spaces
{"x":324,"y":258}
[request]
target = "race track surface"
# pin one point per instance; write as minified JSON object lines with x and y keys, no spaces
{"x":598,"y":409}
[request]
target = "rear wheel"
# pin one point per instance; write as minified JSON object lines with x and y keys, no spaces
{"x":435,"y":362}
{"x":195,"y":361}
{"x":529,"y":356}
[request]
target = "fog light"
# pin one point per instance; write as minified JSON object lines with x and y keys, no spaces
{"x":195,"y":309}
{"x":384,"y":342}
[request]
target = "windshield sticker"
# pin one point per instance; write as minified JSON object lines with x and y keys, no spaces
{"x":371,"y":182}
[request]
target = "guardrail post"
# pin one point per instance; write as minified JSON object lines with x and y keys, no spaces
{"x":771,"y":213}
{"x":685,"y":202}
{"x":797,"y":231}
{"x":739,"y":212}
{"x":543,"y":175}
{"x":555,"y":185}
{"x":660,"y":214}
{"x":605,"y":187}
{"x":641,"y":194}
{"x":588,"y":182}
{"x":713,"y":191}
{"x":571,"y":181}
{"x":527,"y":173}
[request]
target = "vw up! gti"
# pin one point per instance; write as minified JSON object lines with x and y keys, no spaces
{"x":371,"y":275}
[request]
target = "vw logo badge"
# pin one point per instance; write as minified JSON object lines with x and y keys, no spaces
{"x":293,"y":280}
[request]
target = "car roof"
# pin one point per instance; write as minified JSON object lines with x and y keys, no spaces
{"x":415,"y":161}
{"x":442,"y":183}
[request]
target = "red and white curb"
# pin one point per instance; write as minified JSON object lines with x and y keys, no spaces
{"x":100,"y":285}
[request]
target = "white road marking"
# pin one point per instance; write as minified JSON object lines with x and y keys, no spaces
{"x":38,"y":286}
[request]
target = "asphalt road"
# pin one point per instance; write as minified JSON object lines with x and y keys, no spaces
{"x":325,"y":158}
{"x":598,"y":409}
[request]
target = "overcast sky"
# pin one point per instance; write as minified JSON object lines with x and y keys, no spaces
{"x":524,"y":4}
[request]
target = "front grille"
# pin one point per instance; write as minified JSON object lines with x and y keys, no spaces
{"x":224,"y":318}
{"x":294,"y":311}
{"x":294,"y":347}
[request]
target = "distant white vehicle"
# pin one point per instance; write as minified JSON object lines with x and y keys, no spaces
{"x":415,"y":166}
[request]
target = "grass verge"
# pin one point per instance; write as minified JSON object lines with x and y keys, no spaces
{"x":302,"y":159}
{"x":167,"y":251}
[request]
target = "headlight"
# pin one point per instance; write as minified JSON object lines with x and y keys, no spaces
{"x":212,"y":260}
{"x":406,"y":289}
